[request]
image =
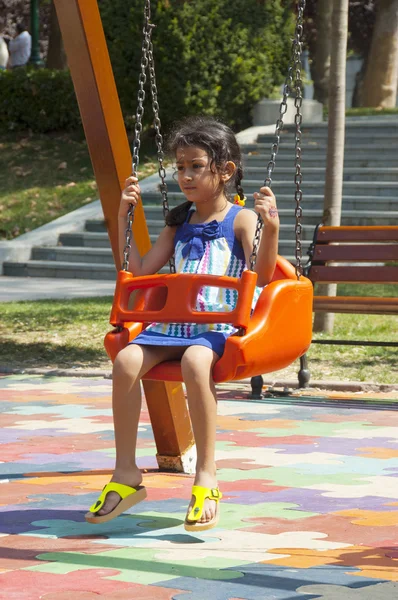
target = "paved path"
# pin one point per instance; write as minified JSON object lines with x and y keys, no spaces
{"x":39,"y":288}
{"x":309,"y":509}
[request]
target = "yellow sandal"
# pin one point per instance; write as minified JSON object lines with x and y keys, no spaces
{"x":130,"y":496}
{"x":201,"y":493}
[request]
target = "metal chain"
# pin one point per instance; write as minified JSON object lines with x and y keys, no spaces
{"x":294,"y":70}
{"x":146,"y":33}
{"x":159,"y":142}
{"x":298,"y":101}
{"x":147,"y":63}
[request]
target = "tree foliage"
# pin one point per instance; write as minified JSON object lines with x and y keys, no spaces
{"x":41,"y":100}
{"x":217,"y":58}
{"x":361,"y":20}
{"x":211,"y":57}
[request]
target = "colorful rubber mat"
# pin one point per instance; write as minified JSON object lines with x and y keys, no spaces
{"x":310,"y":507}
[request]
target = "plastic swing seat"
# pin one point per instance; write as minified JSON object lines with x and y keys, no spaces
{"x":274,"y":335}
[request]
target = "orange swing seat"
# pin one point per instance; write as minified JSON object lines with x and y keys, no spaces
{"x":276,"y":333}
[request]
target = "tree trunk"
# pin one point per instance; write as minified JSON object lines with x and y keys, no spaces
{"x":321,"y":64}
{"x":336,"y":137}
{"x":379,"y":87}
{"x":56,"y":57}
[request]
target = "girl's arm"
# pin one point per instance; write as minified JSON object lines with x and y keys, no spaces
{"x":160,"y":252}
{"x":246,"y":220}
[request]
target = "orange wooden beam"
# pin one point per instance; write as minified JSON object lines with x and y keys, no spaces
{"x":99,"y":105}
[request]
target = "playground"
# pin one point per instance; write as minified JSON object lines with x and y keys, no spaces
{"x":309,"y":507}
{"x":294,"y":485}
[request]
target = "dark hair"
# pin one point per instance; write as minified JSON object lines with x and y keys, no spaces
{"x":218,"y":141}
{"x":20,"y":27}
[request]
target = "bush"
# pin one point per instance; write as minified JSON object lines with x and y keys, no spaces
{"x":38,"y":99}
{"x":215,"y":58}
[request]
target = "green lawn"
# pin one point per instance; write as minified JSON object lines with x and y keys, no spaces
{"x":69,"y":334}
{"x":44,"y":176}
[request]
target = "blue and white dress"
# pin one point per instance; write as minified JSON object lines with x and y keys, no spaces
{"x":210,"y":248}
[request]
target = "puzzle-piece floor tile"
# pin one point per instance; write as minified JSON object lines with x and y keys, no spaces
{"x":340,"y":527}
{"x":372,"y":563}
{"x":317,"y":502}
{"x":31,"y":585}
{"x":377,"y":591}
{"x":381,"y":486}
{"x":137,"y":565}
{"x":19,"y":552}
{"x":263,"y":582}
{"x":135,"y":591}
{"x":257,"y":546}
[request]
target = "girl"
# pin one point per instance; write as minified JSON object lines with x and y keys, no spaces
{"x":208,"y":234}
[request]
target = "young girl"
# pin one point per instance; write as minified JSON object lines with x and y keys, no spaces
{"x":208,"y":233}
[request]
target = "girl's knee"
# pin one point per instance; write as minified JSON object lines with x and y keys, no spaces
{"x":128,"y":362}
{"x":197,"y":363}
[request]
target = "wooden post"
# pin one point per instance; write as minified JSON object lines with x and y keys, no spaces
{"x":92,"y":75}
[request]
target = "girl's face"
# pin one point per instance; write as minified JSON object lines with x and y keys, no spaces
{"x":198,"y":180}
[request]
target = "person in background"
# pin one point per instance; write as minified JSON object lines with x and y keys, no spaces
{"x":4,"y":56}
{"x":20,"y":47}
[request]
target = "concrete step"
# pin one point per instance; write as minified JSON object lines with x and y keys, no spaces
{"x":318,"y":173}
{"x":372,"y":126}
{"x":350,"y":162}
{"x":73,"y":254}
{"x":351,"y":137}
{"x":102,"y":271}
{"x":287,"y":216}
{"x":312,"y":201}
{"x":368,"y":188}
{"x":319,"y":148}
{"x":76,"y":246}
{"x":43,"y":268}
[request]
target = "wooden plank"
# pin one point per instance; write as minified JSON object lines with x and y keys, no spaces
{"x":356,"y":304}
{"x":166,"y":404}
{"x":357,"y":233}
{"x":91,"y":71}
{"x":355,"y":252}
{"x":353,"y":274}
{"x":99,"y":105}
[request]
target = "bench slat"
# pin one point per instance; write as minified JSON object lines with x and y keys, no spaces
{"x":354,"y":274}
{"x":354,"y":252}
{"x":358,"y":233}
{"x":356,"y":304}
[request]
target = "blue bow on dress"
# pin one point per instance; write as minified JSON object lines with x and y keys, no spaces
{"x":195,"y":236}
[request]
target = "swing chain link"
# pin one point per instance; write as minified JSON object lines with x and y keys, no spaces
{"x":159,"y":143}
{"x":147,"y":64}
{"x":292,"y":81}
{"x":147,"y":30}
{"x":298,"y":119}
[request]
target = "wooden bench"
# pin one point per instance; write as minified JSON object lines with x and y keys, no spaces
{"x":360,"y":254}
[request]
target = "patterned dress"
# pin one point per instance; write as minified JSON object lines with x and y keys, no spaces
{"x":210,"y":248}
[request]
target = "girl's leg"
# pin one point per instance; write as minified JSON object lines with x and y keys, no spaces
{"x":197,"y":365}
{"x":130,"y":365}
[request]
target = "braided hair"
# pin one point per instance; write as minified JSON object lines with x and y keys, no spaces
{"x":221,"y":145}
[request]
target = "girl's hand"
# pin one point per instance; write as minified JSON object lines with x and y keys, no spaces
{"x":130,"y":195}
{"x":265,"y":206}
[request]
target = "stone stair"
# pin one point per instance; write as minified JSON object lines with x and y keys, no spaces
{"x":370,"y":197}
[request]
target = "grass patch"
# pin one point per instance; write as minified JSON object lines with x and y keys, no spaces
{"x":365,"y":111}
{"x":69,"y":334}
{"x":55,"y":333}
{"x":44,"y":176}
